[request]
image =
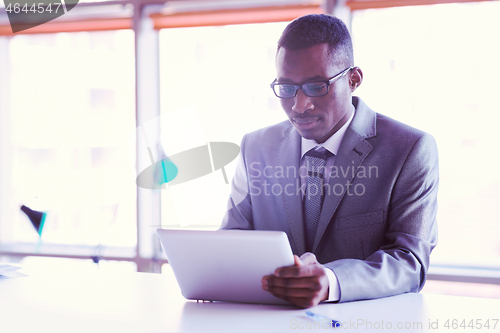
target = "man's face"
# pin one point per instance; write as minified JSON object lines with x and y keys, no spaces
{"x":315,"y":118}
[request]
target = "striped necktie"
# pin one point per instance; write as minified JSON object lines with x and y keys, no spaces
{"x":316,"y":162}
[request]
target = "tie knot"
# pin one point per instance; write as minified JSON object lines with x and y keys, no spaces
{"x":316,"y":159}
{"x":321,"y":152}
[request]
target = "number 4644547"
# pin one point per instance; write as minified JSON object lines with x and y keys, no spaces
{"x":477,"y":324}
{"x":39,"y":8}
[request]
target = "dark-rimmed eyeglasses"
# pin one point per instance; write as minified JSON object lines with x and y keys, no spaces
{"x":311,"y":89}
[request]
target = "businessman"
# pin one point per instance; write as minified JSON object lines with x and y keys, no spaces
{"x":354,"y":190}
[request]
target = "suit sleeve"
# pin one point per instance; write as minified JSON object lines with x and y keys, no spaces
{"x":239,"y":206}
{"x":401,"y":265}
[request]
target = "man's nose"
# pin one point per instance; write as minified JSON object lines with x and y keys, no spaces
{"x":302,"y":103}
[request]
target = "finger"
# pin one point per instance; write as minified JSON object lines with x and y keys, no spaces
{"x":299,"y":271}
{"x":309,"y":258}
{"x":292,"y":292}
{"x":296,"y":263}
{"x":265,"y":282}
{"x":297,"y":260}
{"x":311,"y":283}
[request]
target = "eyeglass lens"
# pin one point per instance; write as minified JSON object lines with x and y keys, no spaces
{"x":312,"y":89}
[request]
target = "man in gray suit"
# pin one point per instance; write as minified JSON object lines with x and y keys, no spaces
{"x":370,"y":230}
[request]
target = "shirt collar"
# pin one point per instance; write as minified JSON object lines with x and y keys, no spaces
{"x":332,"y":144}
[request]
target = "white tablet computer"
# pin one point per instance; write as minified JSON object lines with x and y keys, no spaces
{"x":226,"y":265}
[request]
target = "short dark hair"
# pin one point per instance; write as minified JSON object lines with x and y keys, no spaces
{"x":309,"y":30}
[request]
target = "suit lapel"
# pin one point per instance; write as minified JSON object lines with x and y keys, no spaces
{"x":352,"y":152}
{"x":289,"y":157}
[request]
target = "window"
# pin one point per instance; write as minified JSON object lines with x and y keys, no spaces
{"x":68,"y":138}
{"x":214,"y":86}
{"x":436,"y":68}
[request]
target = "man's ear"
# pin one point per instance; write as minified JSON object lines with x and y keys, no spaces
{"x":355,"y":78}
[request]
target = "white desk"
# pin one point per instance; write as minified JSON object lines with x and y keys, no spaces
{"x":69,"y":301}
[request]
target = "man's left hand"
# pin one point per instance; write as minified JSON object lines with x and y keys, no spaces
{"x":304,"y":284}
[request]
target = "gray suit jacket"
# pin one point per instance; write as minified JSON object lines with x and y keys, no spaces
{"x":378,"y":222}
